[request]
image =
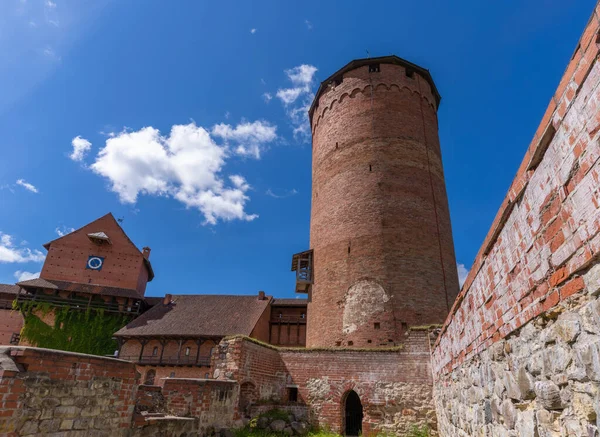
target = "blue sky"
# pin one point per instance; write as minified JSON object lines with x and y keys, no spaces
{"x":187,"y":120}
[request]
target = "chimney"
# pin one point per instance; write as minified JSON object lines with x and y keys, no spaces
{"x":167,"y":299}
{"x":146,"y":252}
{"x":261,"y":295}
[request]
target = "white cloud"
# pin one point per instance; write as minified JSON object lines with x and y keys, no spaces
{"x":249,"y":136}
{"x":27,"y":185}
{"x":185,"y":165}
{"x":61,"y":231}
{"x":9,"y":253}
{"x":289,"y":95}
{"x":462,"y":273}
{"x":81,"y":147}
{"x":50,"y":4}
{"x":252,"y":31}
{"x":309,"y":25}
{"x":25,"y":276}
{"x":289,"y":193}
{"x":51,"y":54}
{"x":297,"y":99}
{"x":267,"y":97}
{"x":227,"y":115}
{"x":301,"y":75}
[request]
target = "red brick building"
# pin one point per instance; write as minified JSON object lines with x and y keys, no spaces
{"x":381,"y":263}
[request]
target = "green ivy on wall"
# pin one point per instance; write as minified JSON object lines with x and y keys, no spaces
{"x":88,"y":332}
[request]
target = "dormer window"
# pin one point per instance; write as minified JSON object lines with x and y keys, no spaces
{"x":99,"y":238}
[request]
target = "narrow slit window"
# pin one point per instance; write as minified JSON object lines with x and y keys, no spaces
{"x":293,"y":394}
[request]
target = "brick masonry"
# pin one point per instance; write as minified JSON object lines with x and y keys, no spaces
{"x":380,"y":225}
{"x":520,"y":352}
{"x":394,"y":386}
{"x":123,"y":262}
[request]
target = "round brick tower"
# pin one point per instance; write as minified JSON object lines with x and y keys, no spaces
{"x":380,"y":225}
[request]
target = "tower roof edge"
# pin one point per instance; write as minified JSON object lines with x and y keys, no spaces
{"x":356,"y":63}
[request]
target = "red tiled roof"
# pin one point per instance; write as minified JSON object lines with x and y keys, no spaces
{"x":81,"y":288}
{"x":198,"y":316}
{"x":9,"y":289}
{"x":290,"y":302}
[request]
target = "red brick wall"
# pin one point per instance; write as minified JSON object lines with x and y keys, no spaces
{"x":394,"y":386}
{"x":380,"y":224}
{"x":546,"y":233}
{"x":11,"y":323}
{"x":44,"y":391}
{"x":261,"y":329}
{"x":123,"y":262}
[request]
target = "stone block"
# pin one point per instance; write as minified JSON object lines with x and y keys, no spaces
{"x":66,"y":412}
{"x":66,"y":425}
{"x":548,"y":394}
{"x":526,"y":384}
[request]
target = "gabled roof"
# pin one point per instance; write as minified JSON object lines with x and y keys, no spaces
{"x":110,"y":216}
{"x":9,"y":289}
{"x":78,"y":287}
{"x":392,"y":59}
{"x":198,"y":316}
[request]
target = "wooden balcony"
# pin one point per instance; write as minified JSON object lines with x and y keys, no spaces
{"x":80,"y":303}
{"x":302,"y":264}
{"x":202,"y":361}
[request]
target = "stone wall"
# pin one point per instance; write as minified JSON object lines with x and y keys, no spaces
{"x":45,"y":391}
{"x":519,"y":352}
{"x":394,"y":385}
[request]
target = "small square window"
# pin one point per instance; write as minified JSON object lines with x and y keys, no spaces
{"x":410,"y":73}
{"x":374,"y":68}
{"x":377,"y":325}
{"x":172,"y":375}
{"x":338,"y":343}
{"x":350,"y":343}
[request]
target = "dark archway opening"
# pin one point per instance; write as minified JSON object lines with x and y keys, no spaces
{"x":353,"y":414}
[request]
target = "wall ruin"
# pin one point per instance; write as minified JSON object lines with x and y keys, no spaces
{"x":519,"y":354}
{"x":394,"y":385}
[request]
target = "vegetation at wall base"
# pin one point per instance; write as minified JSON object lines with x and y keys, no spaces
{"x":88,"y":332}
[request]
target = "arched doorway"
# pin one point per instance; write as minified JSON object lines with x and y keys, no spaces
{"x":353,"y":414}
{"x":150,"y":375}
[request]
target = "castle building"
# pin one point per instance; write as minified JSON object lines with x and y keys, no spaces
{"x":379,"y":272}
{"x":382,"y":256}
{"x":177,"y":337}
